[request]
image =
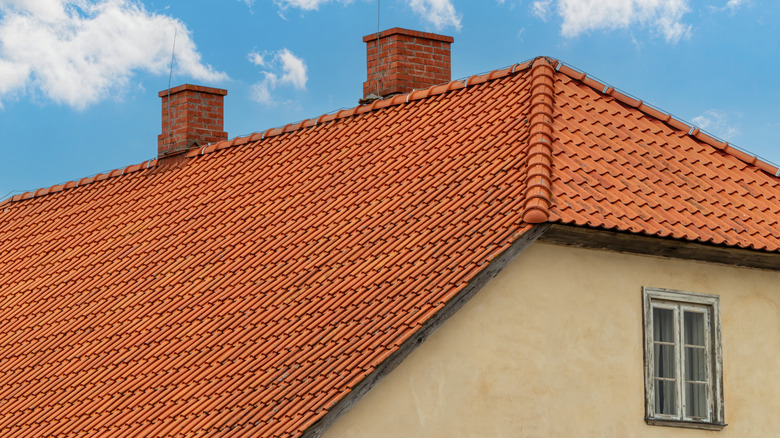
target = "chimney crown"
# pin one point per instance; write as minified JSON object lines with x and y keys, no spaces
{"x":401,"y":60}
{"x":192,"y":116}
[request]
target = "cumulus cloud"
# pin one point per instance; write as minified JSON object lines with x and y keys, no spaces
{"x":581,"y":16}
{"x":716,"y":122}
{"x":78,"y":52}
{"x":440,"y":13}
{"x":281,"y":68}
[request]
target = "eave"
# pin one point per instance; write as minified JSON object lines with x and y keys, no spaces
{"x":594,"y":238}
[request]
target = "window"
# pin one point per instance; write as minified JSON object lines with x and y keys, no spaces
{"x":683,"y":377}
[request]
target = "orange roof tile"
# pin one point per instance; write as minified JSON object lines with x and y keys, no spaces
{"x":247,"y":287}
{"x":621,"y":165}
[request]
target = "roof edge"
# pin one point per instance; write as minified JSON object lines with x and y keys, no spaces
{"x":670,"y":120}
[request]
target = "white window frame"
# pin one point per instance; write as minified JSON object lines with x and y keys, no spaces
{"x":680,"y":301}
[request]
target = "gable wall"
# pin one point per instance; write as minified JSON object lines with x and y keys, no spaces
{"x":553,"y":347}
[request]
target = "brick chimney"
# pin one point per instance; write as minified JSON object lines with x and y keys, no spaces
{"x":192,"y":116}
{"x":402,"y":60}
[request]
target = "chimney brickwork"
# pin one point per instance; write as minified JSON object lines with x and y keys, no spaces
{"x":402,"y":60}
{"x":192,"y":116}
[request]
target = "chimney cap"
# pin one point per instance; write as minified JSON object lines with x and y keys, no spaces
{"x":409,"y":32}
{"x":191,"y":87}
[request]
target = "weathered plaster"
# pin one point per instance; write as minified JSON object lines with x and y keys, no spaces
{"x":553,"y":347}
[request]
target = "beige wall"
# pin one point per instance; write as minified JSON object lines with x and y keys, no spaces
{"x":552,"y":347}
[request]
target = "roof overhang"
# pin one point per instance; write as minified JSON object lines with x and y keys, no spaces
{"x":594,"y":238}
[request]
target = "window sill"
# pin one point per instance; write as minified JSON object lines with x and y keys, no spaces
{"x":688,"y":424}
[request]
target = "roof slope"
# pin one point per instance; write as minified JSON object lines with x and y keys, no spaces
{"x":618,"y":167}
{"x":246,"y":288}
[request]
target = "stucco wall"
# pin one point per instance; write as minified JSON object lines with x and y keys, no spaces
{"x":552,"y":347}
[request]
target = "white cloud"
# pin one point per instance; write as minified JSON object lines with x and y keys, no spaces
{"x":14,"y":77}
{"x":581,"y":16}
{"x":261,"y":91}
{"x":256,"y":59}
{"x":282,"y":68}
{"x":78,"y":52}
{"x":541,"y":9}
{"x":294,"y":69}
{"x":733,"y":5}
{"x":440,"y":13}
{"x":306,"y":5}
{"x":716,"y":122}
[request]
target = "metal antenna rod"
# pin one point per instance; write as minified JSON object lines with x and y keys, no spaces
{"x":170,"y":76}
{"x":173,"y":52}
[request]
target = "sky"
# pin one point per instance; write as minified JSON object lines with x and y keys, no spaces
{"x":79,"y":78}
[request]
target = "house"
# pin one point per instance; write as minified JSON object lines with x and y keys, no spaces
{"x":527,"y":252}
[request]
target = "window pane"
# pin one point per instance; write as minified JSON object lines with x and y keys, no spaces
{"x":694,"y":328}
{"x":695,"y":364}
{"x":696,"y":400}
{"x":682,"y":357}
{"x":664,"y":360}
{"x":663,"y":325}
{"x":665,"y":397}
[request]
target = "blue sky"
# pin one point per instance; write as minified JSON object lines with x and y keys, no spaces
{"x":79,"y":78}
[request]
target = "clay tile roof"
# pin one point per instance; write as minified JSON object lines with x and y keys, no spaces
{"x":245,"y":288}
{"x":619,"y":164}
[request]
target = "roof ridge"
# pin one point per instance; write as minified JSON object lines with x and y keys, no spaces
{"x":290,"y":127}
{"x":378,"y":104}
{"x":539,"y":177}
{"x":670,"y":120}
{"x":394,"y":100}
{"x":457,"y":84}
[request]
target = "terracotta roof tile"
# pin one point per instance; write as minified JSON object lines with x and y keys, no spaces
{"x":632,"y":157}
{"x":244,"y":288}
